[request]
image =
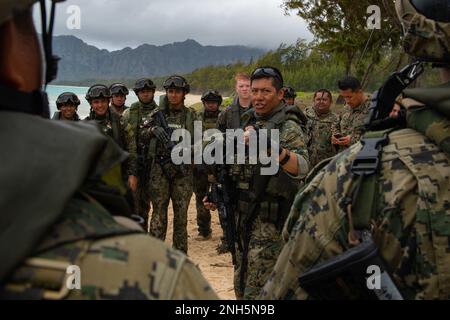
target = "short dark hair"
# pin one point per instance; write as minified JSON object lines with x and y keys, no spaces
{"x":324,"y":91}
{"x":277,"y":81}
{"x":349,"y":83}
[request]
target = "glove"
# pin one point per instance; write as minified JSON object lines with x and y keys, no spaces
{"x":161,"y":135}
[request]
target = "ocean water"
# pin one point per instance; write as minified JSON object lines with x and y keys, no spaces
{"x":83,"y":109}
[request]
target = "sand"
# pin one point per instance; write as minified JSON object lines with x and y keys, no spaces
{"x":217,"y":269}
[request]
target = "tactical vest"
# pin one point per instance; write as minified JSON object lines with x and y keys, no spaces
{"x":275,"y":193}
{"x":187,"y":122}
{"x":115,"y":131}
{"x":136,"y":114}
{"x":209,"y":121}
{"x":233,"y":115}
{"x":429,"y":115}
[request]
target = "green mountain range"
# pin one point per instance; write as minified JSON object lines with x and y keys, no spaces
{"x":80,"y":61}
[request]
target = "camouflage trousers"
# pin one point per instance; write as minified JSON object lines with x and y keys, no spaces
{"x":142,"y":201}
{"x":179,"y":190}
{"x":201,"y":186}
{"x":264,"y":247}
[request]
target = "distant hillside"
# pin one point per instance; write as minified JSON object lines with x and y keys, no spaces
{"x":80,"y":61}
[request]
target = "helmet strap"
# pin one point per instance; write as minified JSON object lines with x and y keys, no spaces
{"x":51,"y":61}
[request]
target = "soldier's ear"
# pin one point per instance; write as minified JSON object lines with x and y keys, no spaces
{"x":280,"y":94}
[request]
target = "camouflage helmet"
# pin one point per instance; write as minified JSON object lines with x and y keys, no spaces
{"x":98,"y":91}
{"x":289,"y":92}
{"x":426,"y":28}
{"x":212,"y":95}
{"x":176,"y":81}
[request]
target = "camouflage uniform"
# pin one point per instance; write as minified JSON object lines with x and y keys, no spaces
{"x":319,"y":135}
{"x":259,"y":221}
{"x":171,"y":182}
{"x":138,"y":163}
{"x":116,"y":260}
{"x":351,"y":122}
{"x":230,"y":118}
{"x":111,"y":125}
{"x":201,"y":184}
{"x":410,"y":216}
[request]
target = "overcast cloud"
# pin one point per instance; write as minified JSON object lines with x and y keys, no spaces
{"x":114,"y":24}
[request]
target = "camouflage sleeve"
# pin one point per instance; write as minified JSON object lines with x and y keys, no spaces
{"x":138,"y":267}
{"x":310,"y":237}
{"x":336,"y":126}
{"x":199,"y":288}
{"x":294,"y":139}
{"x":130,"y":134}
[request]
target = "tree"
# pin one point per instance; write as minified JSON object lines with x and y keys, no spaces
{"x":340,"y":27}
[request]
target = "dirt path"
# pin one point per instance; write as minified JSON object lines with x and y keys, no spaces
{"x":217,"y":269}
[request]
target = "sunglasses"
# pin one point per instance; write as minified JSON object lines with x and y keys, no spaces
{"x":267,"y":72}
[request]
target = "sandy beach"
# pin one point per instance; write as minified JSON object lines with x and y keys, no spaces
{"x":217,"y":269}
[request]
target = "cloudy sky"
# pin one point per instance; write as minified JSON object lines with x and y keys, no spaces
{"x":115,"y":24}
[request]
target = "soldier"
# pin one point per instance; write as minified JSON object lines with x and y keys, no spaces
{"x":110,"y":122}
{"x":263,"y":202}
{"x":167,"y":180}
{"x":351,"y":122}
{"x":320,"y":122}
{"x":139,"y":161}
{"x":230,"y":118}
{"x":212,"y":100}
{"x":405,"y":200}
{"x":70,"y":227}
{"x":119,"y":94}
{"x":289,"y":96}
{"x":67,"y":104}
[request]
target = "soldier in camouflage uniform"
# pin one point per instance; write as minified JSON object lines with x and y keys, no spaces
{"x":119,"y":94}
{"x":67,"y":104}
{"x":320,"y":122}
{"x":411,"y":203}
{"x":231,"y":117}
{"x":212,"y":101}
{"x":263,"y":202}
{"x":289,"y":96}
{"x":349,"y":129}
{"x":167,"y":180}
{"x":74,"y":226}
{"x":139,"y":161}
{"x":109,"y":122}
